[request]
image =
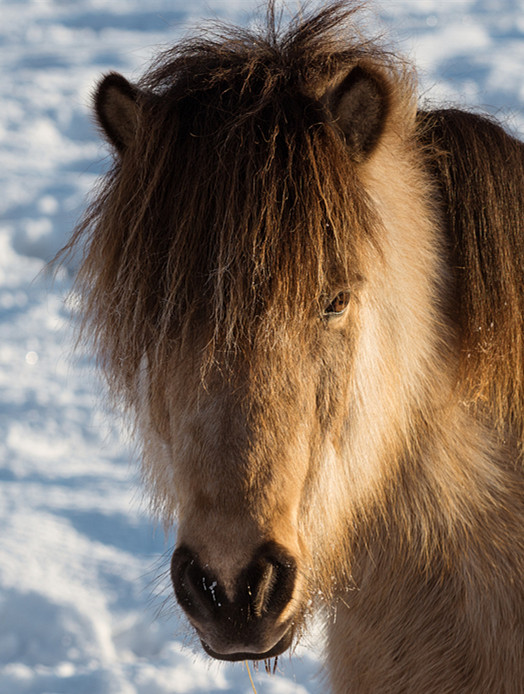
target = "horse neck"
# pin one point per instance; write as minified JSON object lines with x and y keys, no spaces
{"x":454,"y":503}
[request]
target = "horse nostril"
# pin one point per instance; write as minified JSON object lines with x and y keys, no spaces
{"x":270,"y":580}
{"x":196,"y":590}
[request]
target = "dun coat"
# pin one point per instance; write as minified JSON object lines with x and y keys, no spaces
{"x":310,"y":295}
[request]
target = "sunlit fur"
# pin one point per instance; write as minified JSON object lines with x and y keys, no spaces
{"x":381,"y":448}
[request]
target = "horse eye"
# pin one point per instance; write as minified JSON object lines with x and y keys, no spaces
{"x":338,"y":305}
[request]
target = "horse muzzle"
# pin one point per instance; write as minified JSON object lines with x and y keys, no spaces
{"x":252,"y":622}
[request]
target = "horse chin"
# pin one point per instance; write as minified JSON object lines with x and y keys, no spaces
{"x":277,"y":649}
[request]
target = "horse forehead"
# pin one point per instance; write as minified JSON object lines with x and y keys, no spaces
{"x":253,"y":387}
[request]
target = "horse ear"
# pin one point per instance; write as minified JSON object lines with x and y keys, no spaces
{"x":117,"y":110}
{"x":359,"y":106}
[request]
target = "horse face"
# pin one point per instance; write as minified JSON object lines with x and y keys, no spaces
{"x":246,"y":454}
{"x":252,"y":451}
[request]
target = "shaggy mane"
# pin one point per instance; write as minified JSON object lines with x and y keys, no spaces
{"x":480,"y":170}
{"x":238,"y":204}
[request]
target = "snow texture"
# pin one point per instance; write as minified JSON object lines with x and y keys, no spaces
{"x":85,"y":601}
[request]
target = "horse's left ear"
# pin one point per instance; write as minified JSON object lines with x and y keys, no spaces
{"x":359,"y":106}
{"x":116,"y":110}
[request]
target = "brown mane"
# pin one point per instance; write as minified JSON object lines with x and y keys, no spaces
{"x":485,"y":222}
{"x":270,"y":209}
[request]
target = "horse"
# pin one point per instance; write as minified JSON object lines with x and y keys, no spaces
{"x":307,"y":292}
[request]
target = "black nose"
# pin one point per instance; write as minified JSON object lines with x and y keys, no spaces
{"x":197,"y":590}
{"x":262,"y":591}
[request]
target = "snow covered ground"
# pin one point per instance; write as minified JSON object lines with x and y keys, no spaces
{"x":85,"y":604}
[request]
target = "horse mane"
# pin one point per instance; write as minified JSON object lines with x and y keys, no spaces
{"x":238,"y":199}
{"x":480,"y":172}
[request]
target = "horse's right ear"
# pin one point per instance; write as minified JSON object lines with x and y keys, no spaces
{"x":117,"y":110}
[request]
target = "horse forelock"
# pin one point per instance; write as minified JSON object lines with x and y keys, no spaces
{"x":239,"y":206}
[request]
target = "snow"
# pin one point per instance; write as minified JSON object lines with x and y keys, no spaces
{"x":85,"y":600}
